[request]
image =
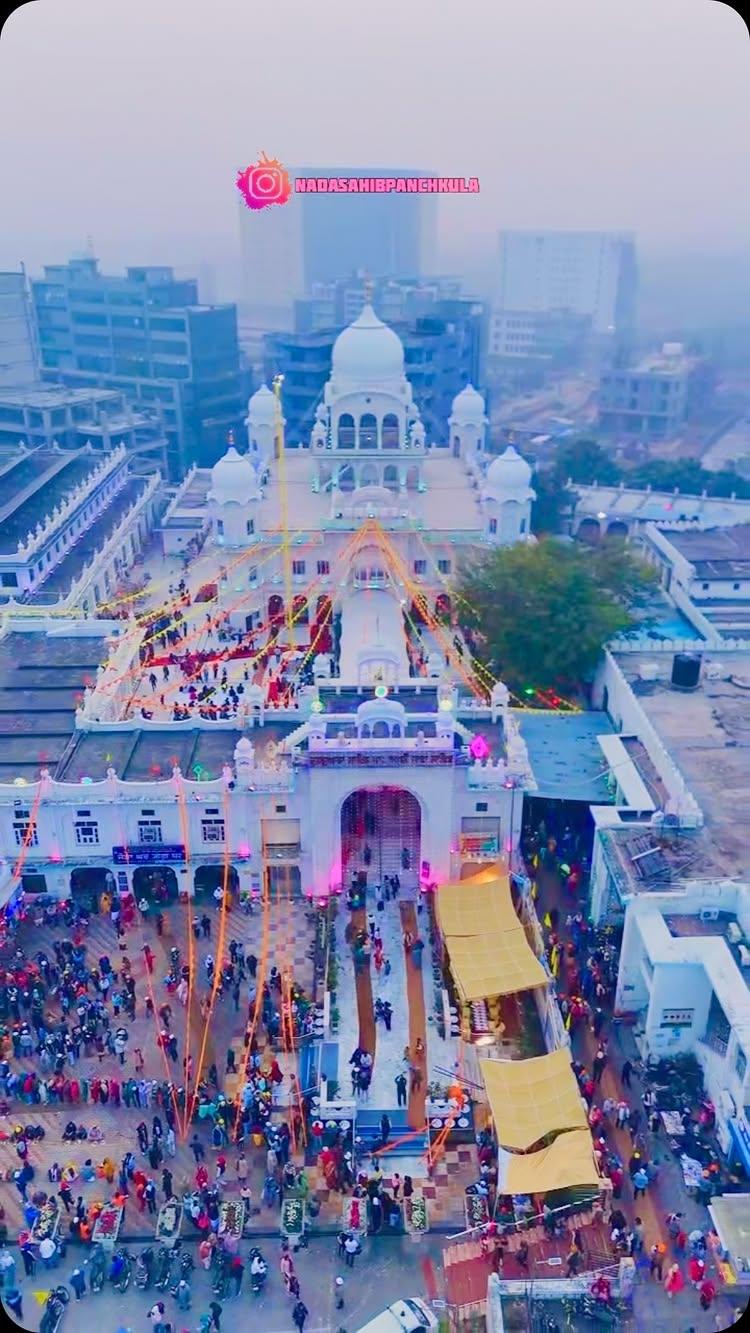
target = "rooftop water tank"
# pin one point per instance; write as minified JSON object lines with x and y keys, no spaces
{"x":686,"y":671}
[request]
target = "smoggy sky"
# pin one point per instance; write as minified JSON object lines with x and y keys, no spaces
{"x":128,"y":122}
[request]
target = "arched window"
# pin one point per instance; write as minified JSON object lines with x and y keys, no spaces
{"x":390,"y":477}
{"x":368,"y":475}
{"x":380,"y":730}
{"x":396,"y":729}
{"x":346,"y":479}
{"x":368,"y":431}
{"x":390,"y":431}
{"x":345,"y":436}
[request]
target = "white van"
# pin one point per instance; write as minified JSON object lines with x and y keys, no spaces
{"x":407,"y":1316}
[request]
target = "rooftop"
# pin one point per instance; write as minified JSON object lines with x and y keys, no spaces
{"x":90,"y":543}
{"x":716,"y":553}
{"x":707,"y":734}
{"x":54,"y":395}
{"x":21,"y":515}
{"x":658,"y":506}
{"x":565,"y":755}
{"x":41,"y":678}
{"x":644,"y":860}
{"x":146,"y":755}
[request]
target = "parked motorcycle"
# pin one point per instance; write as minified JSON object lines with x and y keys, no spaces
{"x":144,"y":1268}
{"x":54,"y":1310}
{"x":97,"y":1269}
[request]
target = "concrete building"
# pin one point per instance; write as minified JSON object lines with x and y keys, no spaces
{"x":709,"y":568}
{"x":395,"y":300}
{"x":43,"y":415}
{"x":587,"y":273}
{"x":624,"y":511}
{"x":523,"y":347}
{"x":72,"y":524}
{"x":19,"y":355}
{"x":146,"y":335}
{"x":655,"y":398}
{"x":320,"y":238}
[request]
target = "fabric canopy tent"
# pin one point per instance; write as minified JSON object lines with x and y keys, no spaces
{"x":476,"y":907}
{"x":498,"y":964}
{"x":568,"y":1163}
{"x":530,"y":1099}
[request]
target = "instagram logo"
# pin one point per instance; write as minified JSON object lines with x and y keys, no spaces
{"x":264,"y":183}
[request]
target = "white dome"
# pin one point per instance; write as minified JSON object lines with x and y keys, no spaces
{"x":233,"y":479}
{"x":510,"y":474}
{"x":261,"y":407}
{"x":368,"y":352}
{"x":468,"y":405}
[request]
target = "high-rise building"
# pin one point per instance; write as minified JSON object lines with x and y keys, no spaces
{"x":146,"y":334}
{"x":19,"y":362}
{"x":320,"y":238}
{"x":582,"y":272}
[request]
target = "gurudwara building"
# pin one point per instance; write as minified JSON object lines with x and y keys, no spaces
{"x":291,"y":685}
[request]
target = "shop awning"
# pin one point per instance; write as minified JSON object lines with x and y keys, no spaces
{"x":568,"y":1163}
{"x":488,"y":965}
{"x":476,"y":907}
{"x":530,"y":1099}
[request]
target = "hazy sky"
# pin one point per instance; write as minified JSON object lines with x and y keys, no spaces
{"x":128,"y":121}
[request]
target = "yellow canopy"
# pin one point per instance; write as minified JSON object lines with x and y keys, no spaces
{"x":530,"y":1099}
{"x":476,"y":907}
{"x":565,"y":1164}
{"x":498,"y":964}
{"x":489,"y":872}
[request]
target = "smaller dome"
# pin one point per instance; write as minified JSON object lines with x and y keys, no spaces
{"x":261,"y":407}
{"x":233,"y":479}
{"x":510,"y":474}
{"x":244,"y":747}
{"x":468,"y":405}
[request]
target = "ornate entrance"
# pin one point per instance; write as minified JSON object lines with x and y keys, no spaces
{"x":381,"y":829}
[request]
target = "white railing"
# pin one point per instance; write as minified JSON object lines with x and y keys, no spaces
{"x":69,"y":505}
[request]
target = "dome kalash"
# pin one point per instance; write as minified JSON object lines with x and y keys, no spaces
{"x":367,"y":353}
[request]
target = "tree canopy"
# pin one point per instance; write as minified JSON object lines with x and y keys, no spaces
{"x":543,"y":613}
{"x":585,"y":461}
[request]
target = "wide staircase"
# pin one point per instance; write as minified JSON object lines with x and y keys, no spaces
{"x":368,"y":1130}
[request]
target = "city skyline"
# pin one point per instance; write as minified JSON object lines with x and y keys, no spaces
{"x":129,"y":161}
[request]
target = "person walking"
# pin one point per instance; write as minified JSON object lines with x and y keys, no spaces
{"x":78,"y":1282}
{"x":14,"y":1302}
{"x":400,"y":1081}
{"x":627,"y":1070}
{"x":183,"y":1295}
{"x":351,"y":1249}
{"x":656,"y":1260}
{"x":215,"y":1309}
{"x":299,"y":1315}
{"x":199,"y":1151}
{"x":385,"y":1129}
{"x":640,"y":1182}
{"x":674,"y":1281}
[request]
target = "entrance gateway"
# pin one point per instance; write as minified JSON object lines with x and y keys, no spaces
{"x":381,"y":834}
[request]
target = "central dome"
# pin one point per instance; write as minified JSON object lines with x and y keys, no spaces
{"x":368,"y":352}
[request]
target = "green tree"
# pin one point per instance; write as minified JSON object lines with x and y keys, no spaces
{"x":585,"y":461}
{"x":553,"y":500}
{"x":543,"y":613}
{"x":687,"y":476}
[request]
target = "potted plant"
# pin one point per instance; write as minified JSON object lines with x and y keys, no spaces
{"x":292,"y":1216}
{"x":168,"y":1222}
{"x":415,"y":1214}
{"x":232,"y":1218}
{"x":107,"y":1225}
{"x":477,"y":1211}
{"x":47,"y":1222}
